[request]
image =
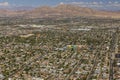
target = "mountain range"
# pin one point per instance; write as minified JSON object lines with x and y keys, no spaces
{"x":60,"y":11}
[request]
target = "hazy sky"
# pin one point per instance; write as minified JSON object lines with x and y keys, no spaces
{"x":97,"y":4}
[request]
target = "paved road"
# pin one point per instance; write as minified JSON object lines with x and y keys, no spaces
{"x":26,"y":64}
{"x":113,"y":47}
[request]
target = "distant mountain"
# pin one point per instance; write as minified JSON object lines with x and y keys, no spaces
{"x":58,"y":11}
{"x":21,"y":8}
{"x":11,"y":13}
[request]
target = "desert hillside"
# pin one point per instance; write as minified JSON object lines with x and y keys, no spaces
{"x":59,"y":11}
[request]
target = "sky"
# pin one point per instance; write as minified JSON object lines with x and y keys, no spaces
{"x":96,"y":4}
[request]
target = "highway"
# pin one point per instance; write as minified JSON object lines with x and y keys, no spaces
{"x":113,"y":47}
